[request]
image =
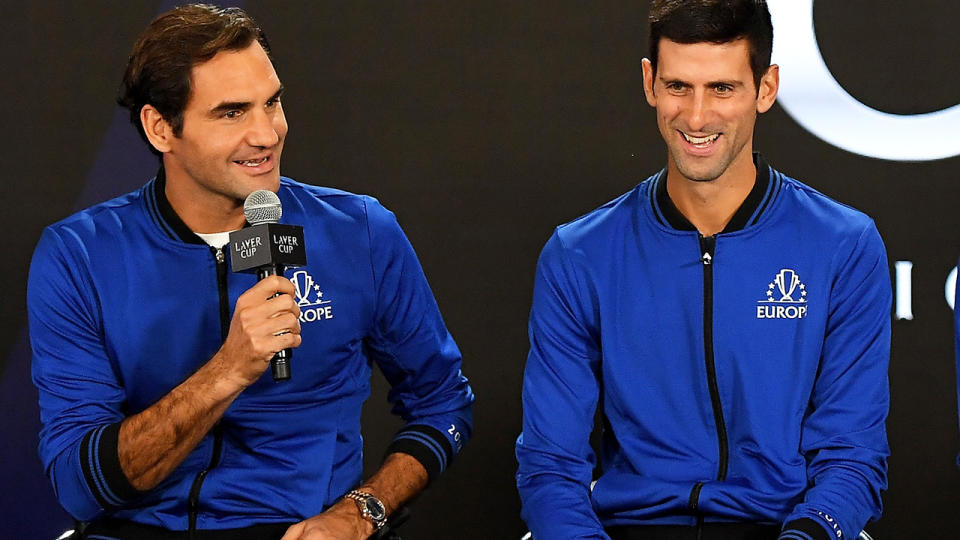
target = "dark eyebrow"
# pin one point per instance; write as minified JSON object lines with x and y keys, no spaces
{"x":733,"y":83}
{"x":710,"y":84}
{"x":666,"y":81}
{"x":227,"y":106}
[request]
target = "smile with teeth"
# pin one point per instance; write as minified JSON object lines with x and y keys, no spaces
{"x":700,"y":141}
{"x":253,"y":162}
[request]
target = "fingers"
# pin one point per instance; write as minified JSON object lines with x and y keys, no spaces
{"x":274,"y":314}
{"x":265,"y":321}
{"x":271,"y":324}
{"x":273,"y":334}
{"x":270,"y":286}
{"x":271,"y":298}
{"x":294,"y":532}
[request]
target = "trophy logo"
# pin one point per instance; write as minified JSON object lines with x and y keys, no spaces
{"x":308,"y":292}
{"x":786,"y":297}
{"x":786,"y":281}
{"x":310,"y":298}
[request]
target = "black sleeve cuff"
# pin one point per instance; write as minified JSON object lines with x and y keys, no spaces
{"x":425,"y":444}
{"x":101,"y":467}
{"x":804,"y":529}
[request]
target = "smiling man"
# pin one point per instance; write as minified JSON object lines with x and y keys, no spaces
{"x":149,"y":353}
{"x":727,"y":325}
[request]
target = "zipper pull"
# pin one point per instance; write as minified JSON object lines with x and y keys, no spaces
{"x":218,"y":255}
{"x":707,"y":245}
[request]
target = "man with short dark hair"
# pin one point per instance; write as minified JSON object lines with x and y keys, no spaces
{"x":149,"y":352}
{"x":727,"y":324}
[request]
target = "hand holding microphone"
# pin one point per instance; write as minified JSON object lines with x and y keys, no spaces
{"x":268,"y":248}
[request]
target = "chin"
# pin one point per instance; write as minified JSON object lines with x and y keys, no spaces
{"x":269,"y":182}
{"x":700,"y":174}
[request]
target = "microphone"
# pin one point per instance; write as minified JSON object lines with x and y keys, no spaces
{"x":268,"y":248}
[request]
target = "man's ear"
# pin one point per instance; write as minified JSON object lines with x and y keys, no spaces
{"x":648,"y":80}
{"x":158,"y":130}
{"x":769,"y":85}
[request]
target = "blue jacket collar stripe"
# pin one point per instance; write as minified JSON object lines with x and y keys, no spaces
{"x":764,"y":190}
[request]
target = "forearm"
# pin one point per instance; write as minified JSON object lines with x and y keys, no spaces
{"x":154,"y":442}
{"x":397,"y":481}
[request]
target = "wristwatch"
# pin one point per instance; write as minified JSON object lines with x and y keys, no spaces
{"x":370,"y":508}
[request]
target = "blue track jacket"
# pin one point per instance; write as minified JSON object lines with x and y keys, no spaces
{"x":125,"y":303}
{"x":739,"y":378}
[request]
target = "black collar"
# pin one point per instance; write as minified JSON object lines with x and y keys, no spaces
{"x":748,"y":213}
{"x":174,"y":226}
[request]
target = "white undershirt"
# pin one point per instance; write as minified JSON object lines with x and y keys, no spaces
{"x":217,"y":239}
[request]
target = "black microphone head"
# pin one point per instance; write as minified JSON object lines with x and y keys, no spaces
{"x":262,"y":206}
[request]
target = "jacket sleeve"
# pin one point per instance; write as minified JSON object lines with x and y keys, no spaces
{"x":80,"y":396}
{"x":414,"y":350}
{"x":843,"y":435}
{"x":560,"y":392}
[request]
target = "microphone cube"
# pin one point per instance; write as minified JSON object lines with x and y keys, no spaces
{"x":267,"y":244}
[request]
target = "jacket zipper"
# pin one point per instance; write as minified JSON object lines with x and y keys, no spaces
{"x":707,"y":249}
{"x":194,"y":498}
{"x":224,"y":293}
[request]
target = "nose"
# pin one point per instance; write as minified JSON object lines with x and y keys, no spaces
{"x":266,"y":128}
{"x":698,"y":111}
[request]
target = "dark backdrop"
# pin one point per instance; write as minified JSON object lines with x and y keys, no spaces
{"x":483,"y":125}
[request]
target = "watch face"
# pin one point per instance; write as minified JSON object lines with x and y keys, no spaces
{"x":375,"y":509}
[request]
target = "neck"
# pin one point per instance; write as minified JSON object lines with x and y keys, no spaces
{"x":710,"y":205}
{"x":201,"y":210}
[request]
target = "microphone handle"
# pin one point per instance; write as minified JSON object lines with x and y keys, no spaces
{"x":280,"y":363}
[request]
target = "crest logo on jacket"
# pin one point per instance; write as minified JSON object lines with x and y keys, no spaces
{"x":313,"y":306}
{"x":786,"y":297}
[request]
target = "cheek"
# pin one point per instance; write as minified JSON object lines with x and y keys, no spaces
{"x":742,"y":114}
{"x":665,"y":116}
{"x":663,"y":123}
{"x":220,"y":148}
{"x":669,"y":109}
{"x":214,"y":142}
{"x":746,"y":119}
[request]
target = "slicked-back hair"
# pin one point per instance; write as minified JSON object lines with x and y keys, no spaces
{"x":158,"y":70}
{"x":714,"y":21}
